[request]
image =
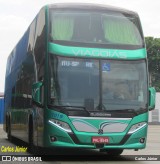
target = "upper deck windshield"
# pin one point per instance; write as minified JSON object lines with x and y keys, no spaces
{"x":87,"y":26}
{"x":98,"y":84}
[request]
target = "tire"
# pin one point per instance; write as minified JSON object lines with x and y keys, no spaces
{"x":31,"y":146}
{"x":9,"y":136}
{"x":33,"y":149}
{"x":112,"y":152}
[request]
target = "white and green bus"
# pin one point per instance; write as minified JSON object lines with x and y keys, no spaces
{"x":78,"y":78}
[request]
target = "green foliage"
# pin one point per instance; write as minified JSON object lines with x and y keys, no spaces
{"x":153,"y":52}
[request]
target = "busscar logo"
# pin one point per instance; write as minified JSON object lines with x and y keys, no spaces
{"x":98,"y":114}
{"x":6,"y":158}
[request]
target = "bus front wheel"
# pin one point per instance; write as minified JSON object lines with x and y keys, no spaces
{"x":9,"y":136}
{"x":32,"y":147}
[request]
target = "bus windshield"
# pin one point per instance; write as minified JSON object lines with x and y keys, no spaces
{"x":114,"y":84}
{"x":95,"y":27}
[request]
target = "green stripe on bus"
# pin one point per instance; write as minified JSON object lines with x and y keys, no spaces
{"x":96,"y":52}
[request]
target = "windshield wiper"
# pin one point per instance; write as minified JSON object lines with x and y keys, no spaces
{"x":71,"y":108}
{"x":125,"y":110}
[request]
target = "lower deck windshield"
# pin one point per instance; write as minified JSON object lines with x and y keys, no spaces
{"x":90,"y":83}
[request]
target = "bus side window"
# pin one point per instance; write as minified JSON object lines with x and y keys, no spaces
{"x":39,"y":49}
{"x":31,"y":38}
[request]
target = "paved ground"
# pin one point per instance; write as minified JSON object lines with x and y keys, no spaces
{"x":90,"y":156}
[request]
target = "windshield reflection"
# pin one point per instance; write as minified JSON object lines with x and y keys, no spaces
{"x":98,"y":84}
{"x":95,"y":27}
{"x":124,"y":83}
{"x":75,"y":82}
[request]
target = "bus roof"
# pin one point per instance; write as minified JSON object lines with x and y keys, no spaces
{"x":91,"y":6}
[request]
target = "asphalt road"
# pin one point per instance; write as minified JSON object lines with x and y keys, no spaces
{"x":78,"y":156}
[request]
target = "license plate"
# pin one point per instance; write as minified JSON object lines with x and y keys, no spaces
{"x":100,"y":140}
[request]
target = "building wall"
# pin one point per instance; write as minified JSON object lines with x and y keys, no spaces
{"x":1,"y":110}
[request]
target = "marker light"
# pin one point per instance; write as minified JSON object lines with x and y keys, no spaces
{"x":136,"y":127}
{"x":53,"y":138}
{"x":60,"y":124}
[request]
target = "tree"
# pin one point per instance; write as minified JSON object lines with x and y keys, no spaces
{"x":153,"y":52}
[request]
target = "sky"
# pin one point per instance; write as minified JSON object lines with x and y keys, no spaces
{"x":16,"y":16}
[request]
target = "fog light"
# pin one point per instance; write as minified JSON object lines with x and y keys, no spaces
{"x":142,"y":140}
{"x":53,"y":139}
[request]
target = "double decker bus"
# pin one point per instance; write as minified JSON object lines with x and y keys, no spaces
{"x":78,"y":78}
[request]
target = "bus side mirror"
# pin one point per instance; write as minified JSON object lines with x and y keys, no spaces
{"x":152,"y":96}
{"x":37,"y":92}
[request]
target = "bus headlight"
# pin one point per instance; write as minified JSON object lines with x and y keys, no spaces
{"x":60,"y":124}
{"x":136,"y":127}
